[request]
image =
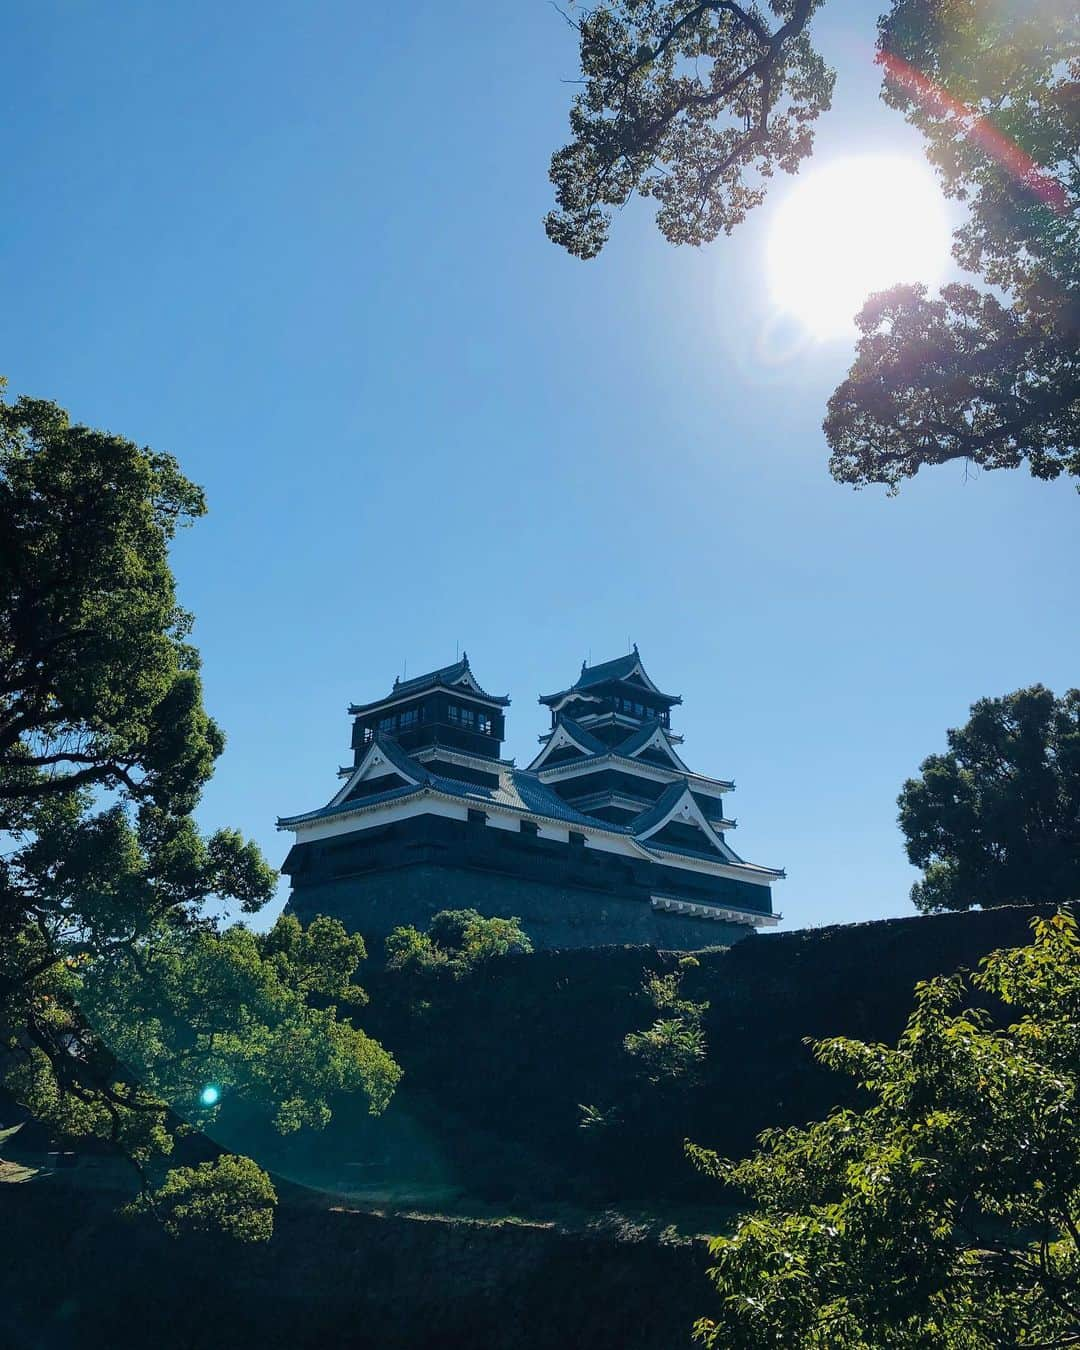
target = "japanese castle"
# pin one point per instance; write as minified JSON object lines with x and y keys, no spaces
{"x":607,"y":837}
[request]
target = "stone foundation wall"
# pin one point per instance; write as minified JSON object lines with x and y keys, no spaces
{"x":554,"y":915}
{"x":75,"y":1277}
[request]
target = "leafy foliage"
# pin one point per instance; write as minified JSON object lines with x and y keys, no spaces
{"x":996,"y":819}
{"x":230,"y":1195}
{"x":674,"y":1046}
{"x":960,"y":377}
{"x":692,"y":103}
{"x":98,"y":685}
{"x":457,"y":940}
{"x":698,"y":104}
{"x":993,"y":88}
{"x":120,"y":997}
{"x":946,"y":1213}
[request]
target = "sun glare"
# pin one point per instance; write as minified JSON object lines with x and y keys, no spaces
{"x":850,"y":228}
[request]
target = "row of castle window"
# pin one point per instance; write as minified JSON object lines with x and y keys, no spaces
{"x":627,"y":705}
{"x":467,"y":718}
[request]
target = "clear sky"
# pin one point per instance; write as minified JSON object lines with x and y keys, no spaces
{"x":300,"y":246}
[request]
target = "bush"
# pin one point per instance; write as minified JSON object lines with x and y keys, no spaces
{"x":457,"y":940}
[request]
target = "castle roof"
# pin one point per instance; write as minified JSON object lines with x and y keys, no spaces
{"x":517,"y":789}
{"x":524,"y":793}
{"x":457,"y":677}
{"x":623,"y":669}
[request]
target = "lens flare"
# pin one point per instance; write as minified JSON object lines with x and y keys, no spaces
{"x":847,"y":229}
{"x":975,"y":127}
{"x":210,"y":1095}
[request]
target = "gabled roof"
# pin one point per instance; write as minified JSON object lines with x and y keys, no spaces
{"x":662,"y":850}
{"x":658,"y":813}
{"x":676,"y":803}
{"x":568,"y":732}
{"x":382,"y":750}
{"x":517,"y":789}
{"x":456,"y":676}
{"x":647,"y":734}
{"x":621,"y":669}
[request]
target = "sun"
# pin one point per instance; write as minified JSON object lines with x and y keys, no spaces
{"x":852,"y":227}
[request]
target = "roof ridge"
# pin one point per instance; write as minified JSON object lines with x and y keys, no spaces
{"x":579,"y":732}
{"x":618,"y":668}
{"x":400,"y":758}
{"x":660,"y":808}
{"x":448,"y":676}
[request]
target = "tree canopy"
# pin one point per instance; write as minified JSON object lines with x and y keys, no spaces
{"x":98,"y":684}
{"x":699,"y":104}
{"x":126,"y":1012}
{"x":456,"y":941}
{"x":684,"y":102}
{"x":989,"y":376}
{"x":996,"y":819}
{"x":947,"y":1213}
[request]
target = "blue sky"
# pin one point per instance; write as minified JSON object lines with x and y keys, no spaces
{"x":300,"y":246}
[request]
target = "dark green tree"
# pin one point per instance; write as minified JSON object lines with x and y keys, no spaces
{"x":946,"y":1214}
{"x":98,"y":684}
{"x":698,"y":104}
{"x":996,"y":819}
{"x":126,"y":1013}
{"x":456,"y":941}
{"x":690,"y":103}
{"x":673,"y":1048}
{"x":987,"y":376}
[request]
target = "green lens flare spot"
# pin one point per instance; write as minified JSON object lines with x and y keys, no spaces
{"x":210,"y":1095}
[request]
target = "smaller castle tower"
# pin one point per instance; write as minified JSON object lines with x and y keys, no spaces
{"x":443,"y":720}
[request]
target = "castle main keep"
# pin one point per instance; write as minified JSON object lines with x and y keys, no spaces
{"x":607,"y":837}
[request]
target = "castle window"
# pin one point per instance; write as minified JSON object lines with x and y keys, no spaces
{"x":387,"y":723}
{"x":452,"y":712}
{"x":409,"y":718}
{"x":483,"y":724}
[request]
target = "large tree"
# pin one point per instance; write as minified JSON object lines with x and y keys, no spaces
{"x":691,"y":103}
{"x":98,"y":685}
{"x":697,"y":104}
{"x":947,"y":1213}
{"x":126,"y":1012}
{"x":996,"y":819}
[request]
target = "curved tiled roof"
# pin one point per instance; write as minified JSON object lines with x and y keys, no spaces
{"x":643,"y":736}
{"x":618,"y":669}
{"x":659,"y":809}
{"x":517,"y":789}
{"x":523,"y":791}
{"x":684,"y":851}
{"x":446,"y":676}
{"x":584,"y":738}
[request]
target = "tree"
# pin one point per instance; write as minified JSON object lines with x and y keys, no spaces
{"x":98,"y":685}
{"x":125,"y":1012}
{"x":683,"y":101}
{"x":457,"y":940}
{"x":230,"y":1195}
{"x":996,"y":819}
{"x":993,"y":88}
{"x":698,"y":104}
{"x":674,"y":1046}
{"x":947,"y":1214}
